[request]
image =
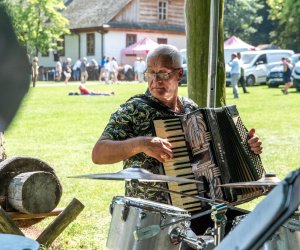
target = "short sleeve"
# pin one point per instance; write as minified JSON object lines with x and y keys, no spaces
{"x":120,"y":125}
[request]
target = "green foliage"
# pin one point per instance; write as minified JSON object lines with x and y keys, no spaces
{"x":240,"y":16}
{"x":62,"y":130}
{"x":39,"y":24}
{"x":262,"y":35}
{"x":287,"y":13}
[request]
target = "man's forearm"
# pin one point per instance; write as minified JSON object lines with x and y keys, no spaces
{"x":107,"y":151}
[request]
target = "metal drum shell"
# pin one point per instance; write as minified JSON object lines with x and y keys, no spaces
{"x":142,"y":213}
{"x":287,"y":237}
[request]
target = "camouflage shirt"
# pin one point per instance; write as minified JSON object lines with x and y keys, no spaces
{"x":133,"y":119}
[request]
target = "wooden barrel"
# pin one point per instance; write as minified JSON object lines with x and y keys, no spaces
{"x":34,"y":192}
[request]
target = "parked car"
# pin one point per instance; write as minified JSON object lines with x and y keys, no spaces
{"x":295,"y":58}
{"x":275,"y":77}
{"x":257,"y":64}
{"x":296,"y":76}
{"x":184,"y":66}
{"x":184,"y":77}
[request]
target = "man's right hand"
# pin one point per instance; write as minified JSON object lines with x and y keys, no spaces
{"x":157,"y":148}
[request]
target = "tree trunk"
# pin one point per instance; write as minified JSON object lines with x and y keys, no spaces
{"x":197,"y":29}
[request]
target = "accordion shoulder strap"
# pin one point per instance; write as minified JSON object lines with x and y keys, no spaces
{"x":153,"y":104}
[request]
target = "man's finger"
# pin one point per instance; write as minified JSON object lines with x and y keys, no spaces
{"x":251,"y":133}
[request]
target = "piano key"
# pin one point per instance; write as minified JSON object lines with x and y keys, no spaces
{"x":175,"y":187}
{"x":179,"y":159}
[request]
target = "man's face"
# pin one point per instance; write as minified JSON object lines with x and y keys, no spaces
{"x":163,"y":79}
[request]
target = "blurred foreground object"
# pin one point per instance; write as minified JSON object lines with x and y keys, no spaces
{"x":14,"y":71}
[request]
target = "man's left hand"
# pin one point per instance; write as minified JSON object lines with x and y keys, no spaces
{"x":254,"y":142}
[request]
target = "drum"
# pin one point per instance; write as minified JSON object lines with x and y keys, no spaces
{"x":133,"y":216}
{"x":287,"y":237}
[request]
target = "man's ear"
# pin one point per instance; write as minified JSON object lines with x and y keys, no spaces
{"x":180,"y":74}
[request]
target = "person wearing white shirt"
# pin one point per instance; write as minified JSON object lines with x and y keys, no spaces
{"x":235,"y":74}
{"x":113,"y":70}
{"x":141,"y":67}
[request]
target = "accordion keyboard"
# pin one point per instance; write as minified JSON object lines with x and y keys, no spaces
{"x":179,"y":165}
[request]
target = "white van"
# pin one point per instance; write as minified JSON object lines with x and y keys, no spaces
{"x":258,"y":63}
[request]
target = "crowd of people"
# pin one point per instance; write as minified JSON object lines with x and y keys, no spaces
{"x":107,"y":70}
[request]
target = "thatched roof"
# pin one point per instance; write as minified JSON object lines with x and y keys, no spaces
{"x":92,"y":13}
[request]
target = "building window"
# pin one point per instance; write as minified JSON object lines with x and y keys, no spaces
{"x":162,"y":40}
{"x":130,"y":39}
{"x":90,"y":44}
{"x":162,"y":10}
{"x":61,"y":46}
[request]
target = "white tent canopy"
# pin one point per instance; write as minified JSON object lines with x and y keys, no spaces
{"x":235,"y":44}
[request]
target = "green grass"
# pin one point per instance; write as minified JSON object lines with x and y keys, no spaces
{"x":62,"y":131}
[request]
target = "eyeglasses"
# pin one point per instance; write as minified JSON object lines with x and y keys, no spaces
{"x":159,"y":75}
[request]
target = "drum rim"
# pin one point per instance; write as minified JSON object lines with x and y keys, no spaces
{"x":163,"y":209}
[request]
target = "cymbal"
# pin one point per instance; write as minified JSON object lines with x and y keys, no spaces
{"x":136,"y":174}
{"x":263,"y":182}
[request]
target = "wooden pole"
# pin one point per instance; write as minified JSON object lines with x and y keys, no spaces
{"x":7,"y":225}
{"x":213,"y":53}
{"x":60,"y":223}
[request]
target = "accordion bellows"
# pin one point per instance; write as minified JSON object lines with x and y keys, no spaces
{"x":209,"y":145}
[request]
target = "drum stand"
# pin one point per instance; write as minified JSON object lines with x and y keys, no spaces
{"x":220,"y":220}
{"x":217,"y":212}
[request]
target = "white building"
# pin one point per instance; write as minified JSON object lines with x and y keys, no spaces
{"x":106,"y":27}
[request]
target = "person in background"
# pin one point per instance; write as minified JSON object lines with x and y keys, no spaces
{"x":85,"y":91}
{"x":129,"y":137}
{"x":94,"y":68}
{"x":235,"y":74}
{"x":242,"y":80}
{"x":67,"y":70}
{"x":58,"y":70}
{"x":34,"y":70}
{"x":106,"y":70}
{"x":83,"y":70}
{"x":101,"y":68}
{"x":141,"y":69}
{"x":76,"y":70}
{"x":113,"y":70}
{"x":287,"y":73}
{"x":136,"y":67}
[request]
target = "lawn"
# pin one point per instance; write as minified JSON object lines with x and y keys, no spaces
{"x":62,"y":130}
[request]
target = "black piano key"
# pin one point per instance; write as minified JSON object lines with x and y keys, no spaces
{"x":181,"y":163}
{"x":176,"y":137}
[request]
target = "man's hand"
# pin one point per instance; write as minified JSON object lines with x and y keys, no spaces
{"x":254,"y":142}
{"x":158,"y":148}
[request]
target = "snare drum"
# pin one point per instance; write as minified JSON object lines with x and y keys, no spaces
{"x":129,"y":215}
{"x":287,"y":237}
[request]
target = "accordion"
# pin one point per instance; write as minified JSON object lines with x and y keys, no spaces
{"x":209,"y":145}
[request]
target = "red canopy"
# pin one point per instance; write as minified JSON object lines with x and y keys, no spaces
{"x":143,"y":46}
{"x":236,"y":43}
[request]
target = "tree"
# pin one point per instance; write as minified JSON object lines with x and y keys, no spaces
{"x":39,"y":24}
{"x":264,"y":29}
{"x":197,"y":30}
{"x":287,"y":13}
{"x":240,"y":16}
